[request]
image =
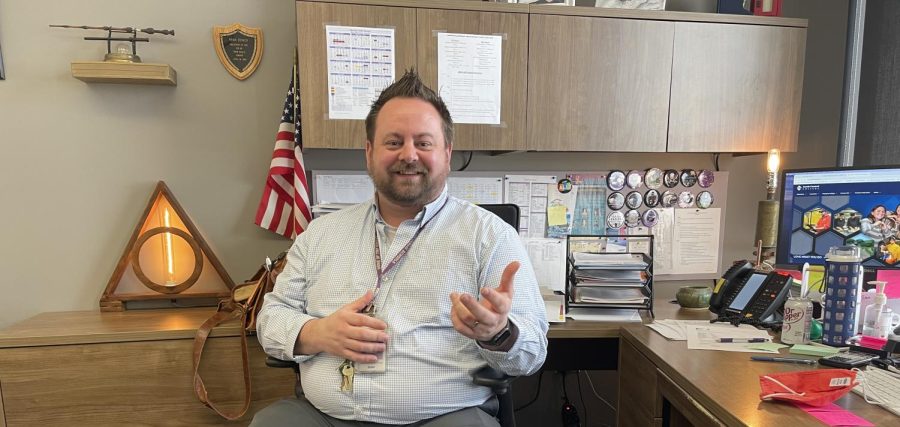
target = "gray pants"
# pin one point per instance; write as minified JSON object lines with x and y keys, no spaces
{"x":299,"y":412}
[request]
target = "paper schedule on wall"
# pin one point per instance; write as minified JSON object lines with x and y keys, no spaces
{"x":360,"y":65}
{"x":469,"y":70}
{"x":530,"y":193}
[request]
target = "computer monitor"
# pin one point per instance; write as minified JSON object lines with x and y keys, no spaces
{"x":821,"y":208}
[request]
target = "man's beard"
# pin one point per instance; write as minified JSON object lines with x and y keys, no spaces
{"x":417,"y":192}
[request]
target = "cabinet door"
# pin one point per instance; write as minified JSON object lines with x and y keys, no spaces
{"x":598,"y":84}
{"x":318,"y":130}
{"x":736,"y":88}
{"x":513,"y":27}
{"x":638,"y":402}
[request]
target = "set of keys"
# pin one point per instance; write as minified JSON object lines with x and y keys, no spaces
{"x":347,"y":369}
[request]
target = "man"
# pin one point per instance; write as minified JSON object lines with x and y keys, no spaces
{"x":390,"y":305}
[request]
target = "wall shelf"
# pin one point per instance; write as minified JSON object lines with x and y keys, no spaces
{"x":124,"y":73}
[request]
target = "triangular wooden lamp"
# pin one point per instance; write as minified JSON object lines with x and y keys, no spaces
{"x":166,"y":259}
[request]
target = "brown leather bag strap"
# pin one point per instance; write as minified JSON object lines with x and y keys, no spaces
{"x":225,"y":313}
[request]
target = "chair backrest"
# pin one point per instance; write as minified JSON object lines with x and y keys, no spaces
{"x":508,"y":212}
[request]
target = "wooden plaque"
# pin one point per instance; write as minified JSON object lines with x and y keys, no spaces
{"x":239,"y":48}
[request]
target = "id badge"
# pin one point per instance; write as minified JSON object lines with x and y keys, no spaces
{"x":376,"y":367}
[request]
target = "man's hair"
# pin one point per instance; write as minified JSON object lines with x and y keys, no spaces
{"x":410,"y":86}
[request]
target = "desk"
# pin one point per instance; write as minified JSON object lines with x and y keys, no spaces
{"x":118,"y":368}
{"x":661,"y":380}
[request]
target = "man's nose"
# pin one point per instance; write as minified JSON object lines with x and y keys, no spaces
{"x":409,"y":153}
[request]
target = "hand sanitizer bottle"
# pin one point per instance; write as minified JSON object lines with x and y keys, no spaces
{"x":873,"y":311}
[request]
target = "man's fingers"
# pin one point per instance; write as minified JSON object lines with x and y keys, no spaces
{"x":499,"y":303}
{"x":506,"y":280}
{"x":478,"y":311}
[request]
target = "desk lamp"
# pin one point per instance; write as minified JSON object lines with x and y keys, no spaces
{"x":767,"y":212}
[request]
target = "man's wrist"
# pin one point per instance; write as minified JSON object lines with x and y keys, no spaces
{"x":303,"y":346}
{"x":503,"y":340}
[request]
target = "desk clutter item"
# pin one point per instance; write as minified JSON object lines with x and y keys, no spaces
{"x":843,"y":287}
{"x":609,"y":272}
{"x":847,"y":360}
{"x":880,"y":387}
{"x":170,"y":262}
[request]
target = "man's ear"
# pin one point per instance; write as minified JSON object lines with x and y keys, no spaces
{"x":369,"y":148}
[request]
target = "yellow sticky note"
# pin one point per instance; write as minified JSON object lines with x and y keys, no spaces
{"x":556,"y":215}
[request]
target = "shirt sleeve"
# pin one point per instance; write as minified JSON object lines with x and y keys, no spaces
{"x":284,"y":311}
{"x":528,"y":313}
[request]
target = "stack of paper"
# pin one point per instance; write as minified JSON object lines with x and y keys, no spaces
{"x":632,"y":278}
{"x":610,"y":295}
{"x":606,"y":315}
{"x":589,"y":260}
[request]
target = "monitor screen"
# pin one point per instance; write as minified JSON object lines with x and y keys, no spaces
{"x":821,"y":208}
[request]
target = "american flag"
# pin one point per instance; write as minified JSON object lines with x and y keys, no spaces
{"x":284,"y":207}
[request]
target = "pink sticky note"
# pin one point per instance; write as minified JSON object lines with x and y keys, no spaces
{"x":834,"y":415}
{"x":892,"y":277}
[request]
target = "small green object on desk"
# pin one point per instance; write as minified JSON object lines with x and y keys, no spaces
{"x":813,"y":350}
{"x":815,"y":330}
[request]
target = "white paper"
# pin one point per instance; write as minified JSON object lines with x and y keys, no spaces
{"x":696,"y":241}
{"x":360,"y":65}
{"x":676,"y":330}
{"x":529,"y":192}
{"x":351,"y":188}
{"x":705,"y":338}
{"x":663,"y":234}
{"x":555,"y":311}
{"x":478,"y":190}
{"x":469,"y":70}
{"x":605,"y":315}
{"x":548,"y":257}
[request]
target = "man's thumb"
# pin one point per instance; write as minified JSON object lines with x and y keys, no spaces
{"x":360,"y":302}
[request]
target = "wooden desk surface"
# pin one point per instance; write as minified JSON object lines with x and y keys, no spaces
{"x":727,"y":384}
{"x":86,"y":327}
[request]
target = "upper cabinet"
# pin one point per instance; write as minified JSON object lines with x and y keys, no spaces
{"x":509,"y":134}
{"x":318,"y":130}
{"x":598,"y":84}
{"x":585,"y":79}
{"x":735,"y":88}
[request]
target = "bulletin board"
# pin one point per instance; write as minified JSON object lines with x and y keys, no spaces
{"x":688,"y":218}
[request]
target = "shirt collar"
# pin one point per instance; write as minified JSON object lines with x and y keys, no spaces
{"x":425,"y":214}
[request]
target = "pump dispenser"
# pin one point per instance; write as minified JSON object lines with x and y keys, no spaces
{"x":873,"y":312}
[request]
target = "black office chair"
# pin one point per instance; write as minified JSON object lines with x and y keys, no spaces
{"x":487,"y":376}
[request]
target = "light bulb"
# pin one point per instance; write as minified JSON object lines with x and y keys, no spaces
{"x":772,"y":163}
{"x":123,"y":49}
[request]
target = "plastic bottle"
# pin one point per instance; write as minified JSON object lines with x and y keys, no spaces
{"x":873,"y":311}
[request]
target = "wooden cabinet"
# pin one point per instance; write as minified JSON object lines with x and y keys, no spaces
{"x":318,"y":130}
{"x":598,"y":84}
{"x":735,"y":87}
{"x":513,"y":27}
{"x":586,"y":79}
{"x":639,"y":404}
{"x":127,"y":368}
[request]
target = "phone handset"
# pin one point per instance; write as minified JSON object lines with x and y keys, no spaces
{"x":722,"y":285}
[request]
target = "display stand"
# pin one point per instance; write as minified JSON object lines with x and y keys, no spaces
{"x":610,"y":272}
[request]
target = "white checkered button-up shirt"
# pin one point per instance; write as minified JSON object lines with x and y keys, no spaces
{"x":428,"y":363}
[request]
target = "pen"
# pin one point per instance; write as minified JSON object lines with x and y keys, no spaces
{"x":743,"y":340}
{"x":782,"y":359}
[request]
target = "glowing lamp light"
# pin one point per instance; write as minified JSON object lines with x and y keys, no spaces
{"x":170,"y":256}
{"x":772,"y":163}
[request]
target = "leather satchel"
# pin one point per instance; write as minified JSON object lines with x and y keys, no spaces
{"x":244,"y":303}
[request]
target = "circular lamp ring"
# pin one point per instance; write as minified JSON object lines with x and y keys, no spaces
{"x":136,"y":260}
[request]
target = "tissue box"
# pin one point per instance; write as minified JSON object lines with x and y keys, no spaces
{"x":632,"y":4}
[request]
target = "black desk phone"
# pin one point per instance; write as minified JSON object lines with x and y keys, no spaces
{"x":745,"y":295}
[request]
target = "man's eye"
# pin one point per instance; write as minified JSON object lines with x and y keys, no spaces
{"x":425,"y":145}
{"x":393,"y":143}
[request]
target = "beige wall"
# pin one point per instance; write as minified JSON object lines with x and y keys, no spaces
{"x":79,"y":161}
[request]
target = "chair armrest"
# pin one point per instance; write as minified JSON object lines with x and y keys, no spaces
{"x":278,"y":363}
{"x":490,"y":377}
